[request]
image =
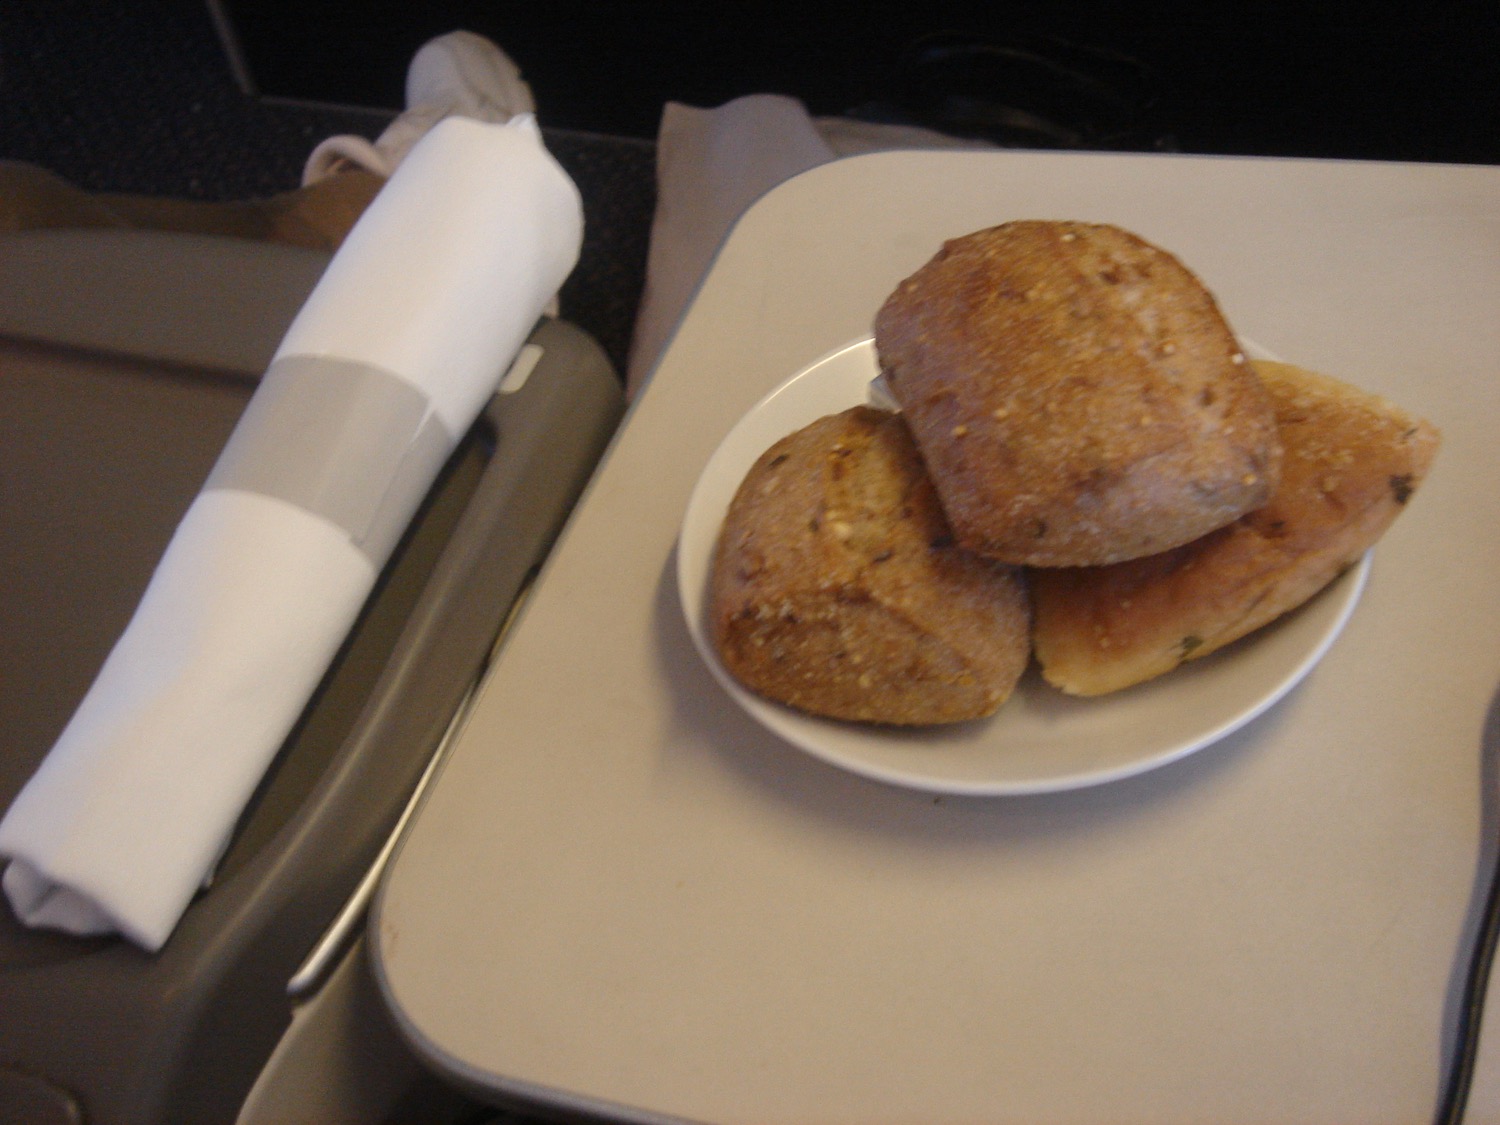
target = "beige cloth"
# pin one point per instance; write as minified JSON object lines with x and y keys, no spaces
{"x":712,"y":164}
{"x":317,"y":217}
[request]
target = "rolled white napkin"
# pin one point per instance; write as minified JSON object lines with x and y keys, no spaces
{"x":387,"y":365}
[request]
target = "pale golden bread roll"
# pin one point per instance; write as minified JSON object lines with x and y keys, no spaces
{"x":1352,"y":461}
{"x":1076,"y":394}
{"x":837,"y":589}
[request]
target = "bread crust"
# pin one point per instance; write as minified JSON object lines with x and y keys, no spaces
{"x":837,"y":589}
{"x":1076,"y":394}
{"x":1352,"y":461}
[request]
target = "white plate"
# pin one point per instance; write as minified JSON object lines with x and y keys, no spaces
{"x":1040,"y":740}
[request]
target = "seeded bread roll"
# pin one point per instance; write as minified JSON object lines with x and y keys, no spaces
{"x":1076,"y":394}
{"x":837,"y":589}
{"x":1352,"y":461}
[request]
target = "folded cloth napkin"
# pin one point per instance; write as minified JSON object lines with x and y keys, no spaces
{"x":386,"y":366}
{"x":711,"y":164}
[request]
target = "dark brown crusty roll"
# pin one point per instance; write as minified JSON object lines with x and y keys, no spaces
{"x":1352,"y":461}
{"x":837,"y":589}
{"x":1076,"y":394}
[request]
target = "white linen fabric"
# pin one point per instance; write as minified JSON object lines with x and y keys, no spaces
{"x":439,"y":285}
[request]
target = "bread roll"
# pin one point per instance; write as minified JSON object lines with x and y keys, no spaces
{"x":1076,"y":394}
{"x":837,"y":590}
{"x":1352,"y":461}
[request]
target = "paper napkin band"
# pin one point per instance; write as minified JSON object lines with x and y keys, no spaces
{"x":351,"y":442}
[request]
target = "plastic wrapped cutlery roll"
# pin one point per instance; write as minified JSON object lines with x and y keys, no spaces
{"x":1100,"y":481}
{"x":386,"y":366}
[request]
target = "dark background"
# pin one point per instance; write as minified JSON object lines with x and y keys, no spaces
{"x":1412,"y":81}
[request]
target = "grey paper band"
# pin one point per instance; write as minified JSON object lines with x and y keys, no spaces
{"x":352,"y":443}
